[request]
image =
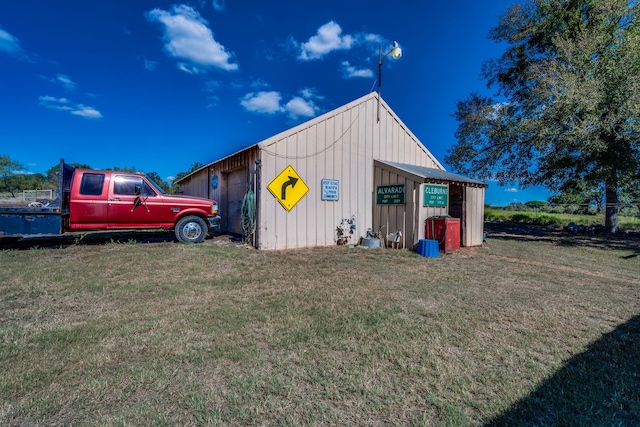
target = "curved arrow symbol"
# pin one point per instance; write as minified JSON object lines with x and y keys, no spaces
{"x":292,"y":182}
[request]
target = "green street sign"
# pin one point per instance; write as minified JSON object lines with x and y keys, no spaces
{"x":435,"y":196}
{"x":390,"y":195}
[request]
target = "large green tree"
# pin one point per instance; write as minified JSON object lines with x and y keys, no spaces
{"x":9,"y":180}
{"x":567,"y":106}
{"x":155,"y":177}
{"x":53,"y":173}
{"x":174,"y":184}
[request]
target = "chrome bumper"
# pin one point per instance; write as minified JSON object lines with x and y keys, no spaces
{"x":214,"y":223}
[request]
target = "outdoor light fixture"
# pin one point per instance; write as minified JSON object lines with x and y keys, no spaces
{"x":395,"y":52}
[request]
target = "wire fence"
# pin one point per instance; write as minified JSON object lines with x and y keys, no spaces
{"x":555,"y":214}
{"x":583,"y":208}
{"x":34,"y":195}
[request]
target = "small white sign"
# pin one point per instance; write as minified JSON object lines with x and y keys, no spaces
{"x":330,"y":189}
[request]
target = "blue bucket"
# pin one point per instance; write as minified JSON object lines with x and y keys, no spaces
{"x":428,"y":248}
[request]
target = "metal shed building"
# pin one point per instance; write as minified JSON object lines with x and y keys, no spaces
{"x":306,"y":185}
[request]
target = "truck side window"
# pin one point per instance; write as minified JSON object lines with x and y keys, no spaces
{"x":126,"y":186}
{"x":91,"y":184}
{"x":147,"y":191}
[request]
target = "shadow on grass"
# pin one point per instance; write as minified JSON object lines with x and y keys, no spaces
{"x":531,"y":233}
{"x":599,"y":387}
{"x":89,"y":238}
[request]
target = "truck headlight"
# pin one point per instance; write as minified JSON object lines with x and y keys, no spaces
{"x":214,"y":209}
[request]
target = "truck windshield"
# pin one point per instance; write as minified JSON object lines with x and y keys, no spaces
{"x":156,"y":186}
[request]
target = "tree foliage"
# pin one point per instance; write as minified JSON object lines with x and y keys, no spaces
{"x":12,"y":178}
{"x":155,"y":177}
{"x":567,"y":107}
{"x":175,"y":188}
{"x":9,"y":178}
{"x":122,"y":169}
{"x":53,"y":172}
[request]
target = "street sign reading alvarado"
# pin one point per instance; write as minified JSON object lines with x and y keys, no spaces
{"x":390,"y":195}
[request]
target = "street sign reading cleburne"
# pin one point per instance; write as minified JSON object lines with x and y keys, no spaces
{"x":435,"y":196}
{"x":288,"y":188}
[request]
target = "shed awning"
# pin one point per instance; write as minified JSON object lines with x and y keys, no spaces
{"x":432,"y":174}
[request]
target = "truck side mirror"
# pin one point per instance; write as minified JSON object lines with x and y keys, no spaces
{"x":137,"y":190}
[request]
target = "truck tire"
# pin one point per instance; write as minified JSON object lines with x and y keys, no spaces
{"x":191,"y":229}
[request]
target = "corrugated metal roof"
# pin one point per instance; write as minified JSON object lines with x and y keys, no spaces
{"x":433,"y":173}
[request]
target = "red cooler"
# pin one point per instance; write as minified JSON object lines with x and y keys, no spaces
{"x":445,"y":230}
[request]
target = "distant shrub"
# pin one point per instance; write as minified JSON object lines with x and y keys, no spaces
{"x":489,"y":216}
{"x":522,"y":218}
{"x":531,"y":218}
{"x":547,"y":220}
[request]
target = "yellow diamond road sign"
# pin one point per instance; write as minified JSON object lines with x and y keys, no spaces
{"x":288,"y":188}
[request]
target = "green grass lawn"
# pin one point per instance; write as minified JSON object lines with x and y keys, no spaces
{"x":524,"y":331}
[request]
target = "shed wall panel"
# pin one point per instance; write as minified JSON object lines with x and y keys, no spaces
{"x":393,"y":218}
{"x":236,"y":188}
{"x":473,"y":230}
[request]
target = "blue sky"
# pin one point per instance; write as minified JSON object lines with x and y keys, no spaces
{"x":159,"y":85}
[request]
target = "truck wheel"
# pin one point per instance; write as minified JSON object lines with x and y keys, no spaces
{"x":191,"y":229}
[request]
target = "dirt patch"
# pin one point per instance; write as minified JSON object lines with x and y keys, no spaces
{"x":226,"y":239}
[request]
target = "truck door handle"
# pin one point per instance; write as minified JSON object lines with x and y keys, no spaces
{"x":114,"y":199}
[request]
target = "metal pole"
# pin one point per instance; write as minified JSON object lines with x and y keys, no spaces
{"x":379,"y":77}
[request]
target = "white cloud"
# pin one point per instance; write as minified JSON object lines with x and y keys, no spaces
{"x":310,"y":93}
{"x":190,"y":69}
{"x":237,"y":85}
{"x":212,"y":86}
{"x":327,"y":39}
{"x":270,"y":103}
{"x":150,"y":65}
{"x":188,"y":38}
{"x":259,"y":84}
{"x":218,"y":5}
{"x":511,"y":190}
{"x":55,"y":103}
{"x":262,"y":102}
{"x":11,"y":45}
{"x":64,"y":104}
{"x":298,"y":107}
{"x":65,"y":81}
{"x":372,"y":38}
{"x":349,"y":71}
{"x":86,"y":111}
{"x":212,"y":101}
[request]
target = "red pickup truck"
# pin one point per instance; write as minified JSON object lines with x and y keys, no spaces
{"x":107,"y":200}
